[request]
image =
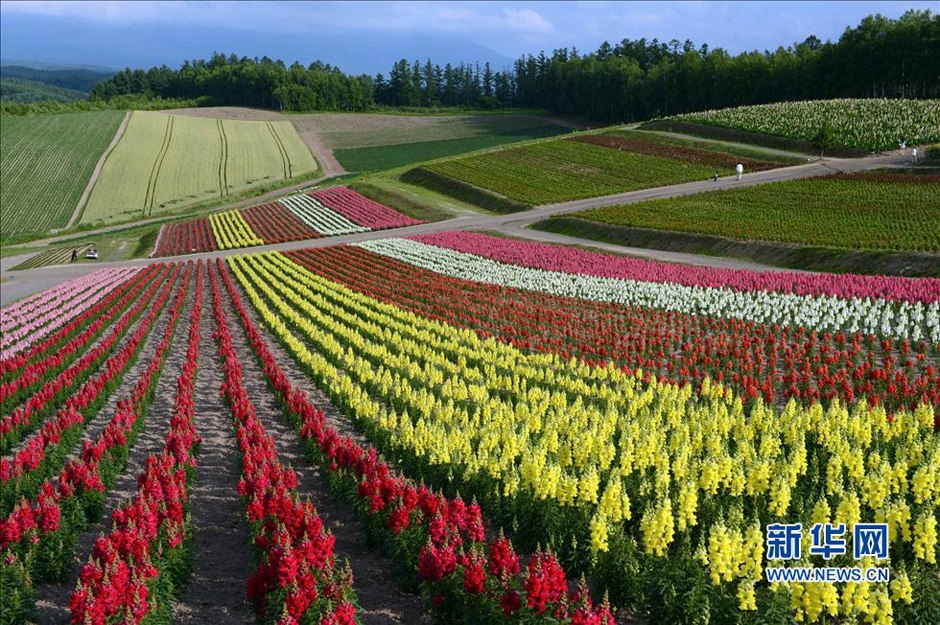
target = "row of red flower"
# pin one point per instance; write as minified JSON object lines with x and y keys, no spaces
{"x":275,"y":224}
{"x":296,"y":577}
{"x":121,"y":581}
{"x":27,"y":416}
{"x":443,"y":540}
{"x":37,"y":538}
{"x":185,"y":237}
{"x":60,"y":354}
{"x":42,"y":453}
{"x":758,"y":360}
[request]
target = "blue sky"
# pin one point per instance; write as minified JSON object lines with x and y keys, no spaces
{"x":369,"y":36}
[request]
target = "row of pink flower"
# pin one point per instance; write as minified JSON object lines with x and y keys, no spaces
{"x":45,"y":318}
{"x":28,"y":308}
{"x":570,"y":260}
{"x":69,"y":418}
{"x":54,"y":352}
{"x":362,"y":210}
{"x":22,"y":420}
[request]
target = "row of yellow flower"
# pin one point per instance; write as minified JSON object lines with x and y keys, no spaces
{"x":232,"y":231}
{"x":597,"y":438}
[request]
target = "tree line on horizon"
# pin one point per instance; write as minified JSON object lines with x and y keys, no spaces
{"x":632,"y":80}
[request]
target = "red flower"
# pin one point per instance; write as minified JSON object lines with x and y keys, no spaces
{"x":510,"y":602}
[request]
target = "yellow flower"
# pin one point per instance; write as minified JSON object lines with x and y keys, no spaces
{"x":747,"y":600}
{"x":849,"y":511}
{"x":657,"y":528}
{"x":599,"y":533}
{"x":901,"y":589}
{"x":821,"y":511}
{"x":688,"y":502}
{"x":925,"y":538}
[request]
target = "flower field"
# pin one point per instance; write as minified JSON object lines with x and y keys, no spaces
{"x":870,"y":124}
{"x":525,"y":432}
{"x":860,"y":211}
{"x":327,"y":212}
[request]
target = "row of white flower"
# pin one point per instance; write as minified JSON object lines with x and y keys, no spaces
{"x":823,"y":313}
{"x":322,"y":219}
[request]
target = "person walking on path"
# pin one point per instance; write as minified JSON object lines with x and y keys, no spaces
{"x":739,"y":169}
{"x":74,"y":256}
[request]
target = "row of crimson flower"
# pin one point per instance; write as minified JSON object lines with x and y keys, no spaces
{"x":296,"y":578}
{"x":37,"y":538}
{"x":757,"y":360}
{"x":443,"y":540}
{"x":29,"y":415}
{"x":60,"y":354}
{"x":44,"y":451}
{"x":136,"y":569}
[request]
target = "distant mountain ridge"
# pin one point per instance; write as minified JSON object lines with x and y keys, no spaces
{"x":80,"y":79}
{"x":27,"y":91}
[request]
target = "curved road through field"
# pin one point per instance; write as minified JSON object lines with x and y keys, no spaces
{"x":18,"y":284}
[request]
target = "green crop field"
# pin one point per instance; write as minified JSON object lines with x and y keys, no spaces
{"x":360,"y":130}
{"x":863,"y":211}
{"x":377,"y":158}
{"x":556,"y":171}
{"x":873,"y":124}
{"x":45,"y":164}
{"x":168,"y":161}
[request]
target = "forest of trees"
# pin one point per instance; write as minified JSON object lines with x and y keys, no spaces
{"x":631,"y":80}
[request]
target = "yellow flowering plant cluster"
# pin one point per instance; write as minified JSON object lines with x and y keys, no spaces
{"x":652,"y":464}
{"x":231,"y":231}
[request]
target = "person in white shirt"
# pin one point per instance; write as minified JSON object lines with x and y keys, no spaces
{"x":739,"y":169}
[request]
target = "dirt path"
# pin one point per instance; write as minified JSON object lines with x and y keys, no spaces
{"x":380,"y":600}
{"x":52,"y":600}
{"x":329,"y":166}
{"x":82,"y":201}
{"x":222,"y":558}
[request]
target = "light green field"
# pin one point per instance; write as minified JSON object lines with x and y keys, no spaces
{"x":557,"y":171}
{"x":165,"y":162}
{"x":45,"y":164}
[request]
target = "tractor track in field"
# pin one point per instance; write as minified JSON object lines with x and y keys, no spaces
{"x":380,"y":600}
{"x":157,"y":166}
{"x":285,"y":158}
{"x":52,"y":599}
{"x":223,"y":160}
